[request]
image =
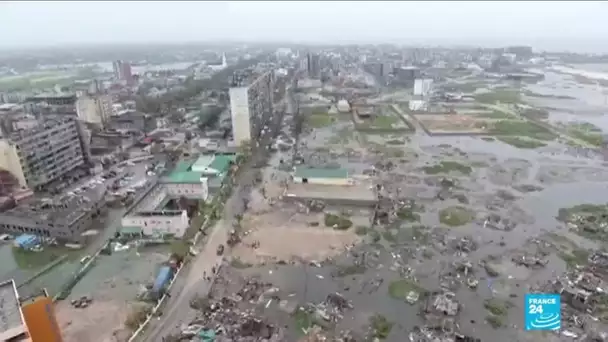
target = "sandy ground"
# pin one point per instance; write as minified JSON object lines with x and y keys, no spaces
{"x":91,"y":324}
{"x":283,"y":235}
{"x":452,"y":123}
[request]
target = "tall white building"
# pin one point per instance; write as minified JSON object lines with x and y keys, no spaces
{"x":422,"y":86}
{"x":251,"y":103}
{"x":94,"y":109}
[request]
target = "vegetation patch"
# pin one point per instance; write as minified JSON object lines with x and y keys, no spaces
{"x":447,"y":167}
{"x":381,"y":326}
{"x":497,"y":307}
{"x":495,"y":322}
{"x":456,"y":216}
{"x":320,"y":120}
{"x":361,"y":230}
{"x":586,"y":132}
{"x":240,"y":264}
{"x":548,"y":96}
{"x":535,"y":113}
{"x":500,"y":95}
{"x":337,"y":222}
{"x":408,"y":214}
{"x":575,"y":257}
{"x":495,"y":114}
{"x":521,"y":128}
{"x":400,"y":289}
{"x":521,"y":142}
{"x":350,"y":270}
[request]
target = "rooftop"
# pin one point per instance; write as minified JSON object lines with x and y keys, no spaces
{"x":11,"y":319}
{"x":309,"y":172}
{"x":191,"y":172}
{"x":61,"y":209}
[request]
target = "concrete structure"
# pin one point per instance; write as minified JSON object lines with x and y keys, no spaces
{"x":343,"y":106}
{"x":422,"y":86}
{"x":158,"y":222}
{"x":251,"y":100}
{"x":189,"y":179}
{"x":94,"y":109}
{"x":12,"y":322}
{"x":122,"y":71}
{"x":64,"y":217}
{"x":44,"y":153}
{"x":313,"y":65}
{"x":306,"y":175}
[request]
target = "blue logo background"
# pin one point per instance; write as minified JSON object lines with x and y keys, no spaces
{"x":542,"y":311}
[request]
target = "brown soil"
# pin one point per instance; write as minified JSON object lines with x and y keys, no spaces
{"x":282,"y":237}
{"x":102,"y":321}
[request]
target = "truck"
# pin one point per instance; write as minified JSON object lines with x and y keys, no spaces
{"x":165,"y":274}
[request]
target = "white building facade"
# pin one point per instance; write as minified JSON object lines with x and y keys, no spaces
{"x":422,"y":86}
{"x":173,"y":222}
{"x":250,"y":105}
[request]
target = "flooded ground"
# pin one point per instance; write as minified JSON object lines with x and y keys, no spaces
{"x":464,"y":228}
{"x":113,"y":284}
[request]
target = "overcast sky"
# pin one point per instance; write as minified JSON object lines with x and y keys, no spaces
{"x":545,"y":25}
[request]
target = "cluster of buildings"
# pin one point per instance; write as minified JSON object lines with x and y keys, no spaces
{"x":158,"y":213}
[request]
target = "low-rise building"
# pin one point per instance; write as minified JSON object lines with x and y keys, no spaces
{"x":158,"y":222}
{"x":307,"y":175}
{"x":64,"y":217}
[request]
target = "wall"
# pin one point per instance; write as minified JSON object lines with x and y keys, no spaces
{"x":325,"y":181}
{"x":192,"y":191}
{"x":239,"y":112}
{"x":41,"y":322}
{"x":9,"y":160}
{"x":159,"y":223}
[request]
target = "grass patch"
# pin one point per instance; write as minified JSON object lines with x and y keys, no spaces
{"x":320,"y":120}
{"x":495,"y":322}
{"x":381,"y":326}
{"x":350,"y":270}
{"x":303,"y":320}
{"x":521,"y":129}
{"x":240,"y":264}
{"x":447,"y":167}
{"x":337,"y":222}
{"x":408,"y":214}
{"x":520,"y":142}
{"x":575,"y":257}
{"x":495,"y":114}
{"x":456,"y":216}
{"x":389,"y":236}
{"x":399,"y":289}
{"x":535,"y":113}
{"x":548,"y":96}
{"x":361,"y":230}
{"x":499,"y":95}
{"x":497,"y":307}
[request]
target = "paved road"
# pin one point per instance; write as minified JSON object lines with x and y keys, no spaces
{"x":190,"y":281}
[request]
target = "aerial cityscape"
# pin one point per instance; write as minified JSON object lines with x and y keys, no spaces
{"x":273,"y":190}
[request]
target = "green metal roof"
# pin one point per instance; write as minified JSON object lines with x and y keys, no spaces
{"x":308,"y":172}
{"x":221,"y":162}
{"x":187,"y":177}
{"x":182,"y":166}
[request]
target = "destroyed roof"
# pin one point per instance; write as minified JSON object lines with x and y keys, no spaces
{"x":11,"y":318}
{"x":309,"y":172}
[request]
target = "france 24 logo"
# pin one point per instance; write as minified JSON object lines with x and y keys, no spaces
{"x":543,"y":311}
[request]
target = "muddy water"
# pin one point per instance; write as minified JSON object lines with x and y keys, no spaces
{"x":564,"y":177}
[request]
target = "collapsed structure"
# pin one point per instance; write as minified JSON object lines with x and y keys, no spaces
{"x":63,"y":217}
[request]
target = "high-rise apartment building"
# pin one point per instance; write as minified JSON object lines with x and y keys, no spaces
{"x":94,"y":109}
{"x":43,"y":153}
{"x":251,"y":100}
{"x":122,"y":71}
{"x":314,"y":65}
